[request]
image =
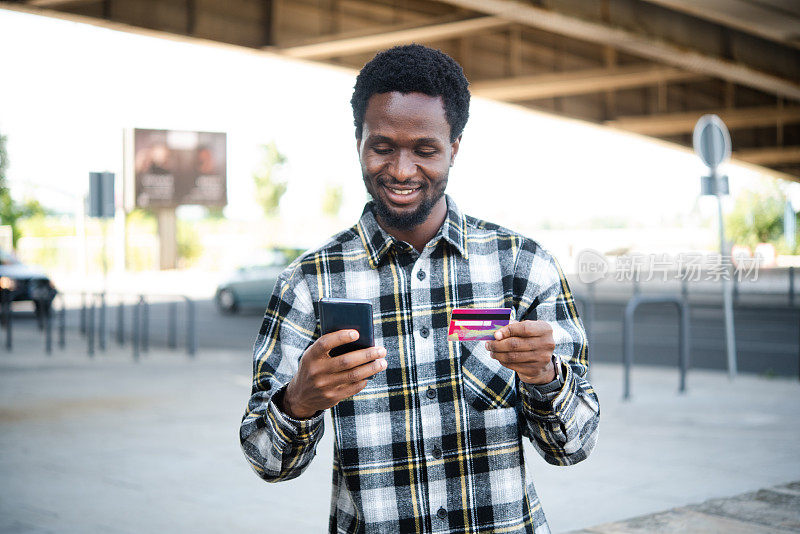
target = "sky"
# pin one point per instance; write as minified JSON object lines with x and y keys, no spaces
{"x":68,"y":90}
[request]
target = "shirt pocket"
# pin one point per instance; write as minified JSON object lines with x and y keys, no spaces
{"x":486,"y":384}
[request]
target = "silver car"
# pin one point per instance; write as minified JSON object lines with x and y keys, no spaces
{"x":250,"y":286}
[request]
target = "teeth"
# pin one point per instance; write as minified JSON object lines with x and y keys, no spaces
{"x":402,"y":191}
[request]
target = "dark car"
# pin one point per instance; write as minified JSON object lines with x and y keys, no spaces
{"x":250,"y":286}
{"x":21,"y":282}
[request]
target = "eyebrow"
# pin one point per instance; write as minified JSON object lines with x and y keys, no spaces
{"x":374,"y":138}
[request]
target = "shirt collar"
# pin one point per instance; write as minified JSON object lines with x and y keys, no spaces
{"x":378,"y":242}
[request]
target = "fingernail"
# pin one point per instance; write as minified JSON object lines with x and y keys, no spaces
{"x":486,"y":345}
{"x":383,"y":363}
{"x":381,"y":351}
{"x":498,"y":335}
{"x":353,"y":335}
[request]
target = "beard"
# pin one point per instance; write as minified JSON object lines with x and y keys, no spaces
{"x":407,"y":221}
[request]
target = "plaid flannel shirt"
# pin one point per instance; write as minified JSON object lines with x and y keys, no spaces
{"x":434,"y":443}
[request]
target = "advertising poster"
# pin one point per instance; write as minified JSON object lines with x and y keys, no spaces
{"x":174,"y":167}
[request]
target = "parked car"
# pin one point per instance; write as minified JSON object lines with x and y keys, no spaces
{"x":26,"y":283}
{"x":250,"y":286}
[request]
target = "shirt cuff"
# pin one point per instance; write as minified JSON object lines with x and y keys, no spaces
{"x":291,"y":430}
{"x":541,"y":398}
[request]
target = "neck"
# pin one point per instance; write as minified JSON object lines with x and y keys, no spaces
{"x":419,"y":236}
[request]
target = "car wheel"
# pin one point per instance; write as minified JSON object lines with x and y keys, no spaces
{"x":226,"y":301}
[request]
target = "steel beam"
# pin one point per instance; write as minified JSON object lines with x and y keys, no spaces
{"x":341,"y":45}
{"x":678,"y":123}
{"x":769,"y":156}
{"x":632,"y":43}
{"x":577,"y":82}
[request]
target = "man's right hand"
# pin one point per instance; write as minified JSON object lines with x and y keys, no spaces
{"x":322,"y":381}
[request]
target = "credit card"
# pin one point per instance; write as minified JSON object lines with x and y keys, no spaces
{"x":477,"y":323}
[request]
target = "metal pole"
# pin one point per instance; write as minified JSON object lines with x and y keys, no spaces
{"x":101,"y":338}
{"x":683,"y":309}
{"x":82,"y":323}
{"x":791,"y":286}
{"x":62,"y":324}
{"x":730,"y":337}
{"x":120,"y":322}
{"x":90,"y":329}
{"x":6,"y":295}
{"x":172,"y":321}
{"x":145,"y":324}
{"x":627,"y":348}
{"x":48,"y":330}
{"x":135,"y":330}
{"x":191,"y":335}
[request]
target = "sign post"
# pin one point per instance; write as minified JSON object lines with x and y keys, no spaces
{"x":712,"y":143}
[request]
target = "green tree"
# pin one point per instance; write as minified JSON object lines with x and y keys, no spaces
{"x":12,"y":212}
{"x":757,"y":217}
{"x":269,"y":188}
{"x":332,"y":200}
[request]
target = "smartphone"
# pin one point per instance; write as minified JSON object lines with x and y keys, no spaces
{"x":347,"y":314}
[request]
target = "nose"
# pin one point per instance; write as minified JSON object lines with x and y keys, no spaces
{"x":403,"y":166}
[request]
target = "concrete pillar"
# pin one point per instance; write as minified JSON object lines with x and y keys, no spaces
{"x":167,"y":238}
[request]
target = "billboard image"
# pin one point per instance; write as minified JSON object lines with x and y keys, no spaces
{"x":173,"y":167}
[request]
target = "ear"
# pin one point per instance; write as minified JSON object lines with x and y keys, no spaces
{"x":454,"y":149}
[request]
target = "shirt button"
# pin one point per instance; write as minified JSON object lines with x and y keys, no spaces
{"x":424,"y":332}
{"x":437,"y":452}
{"x":421,"y":275}
{"x":442,"y":513}
{"x":430,"y":393}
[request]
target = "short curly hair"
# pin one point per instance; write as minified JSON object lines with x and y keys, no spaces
{"x":414,"y":69}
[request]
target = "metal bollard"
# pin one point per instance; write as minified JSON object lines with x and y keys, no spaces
{"x":191,"y":334}
{"x":62,"y":324}
{"x":135,"y":338}
{"x":90,"y":329}
{"x":5,"y":295}
{"x":48,"y":331}
{"x":120,"y":323}
{"x":101,"y":324}
{"x":627,"y":333}
{"x":82,"y":323}
{"x":145,"y":324}
{"x":172,"y":320}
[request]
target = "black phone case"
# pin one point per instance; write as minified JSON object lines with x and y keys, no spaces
{"x":343,"y":314}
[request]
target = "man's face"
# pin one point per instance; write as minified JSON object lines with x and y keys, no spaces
{"x":405,"y":153}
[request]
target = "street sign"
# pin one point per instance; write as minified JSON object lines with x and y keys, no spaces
{"x":101,"y":195}
{"x":711,"y":141}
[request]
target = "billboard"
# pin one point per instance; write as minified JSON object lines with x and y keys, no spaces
{"x":173,"y":167}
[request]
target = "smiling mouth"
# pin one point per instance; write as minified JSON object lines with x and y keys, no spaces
{"x":402,"y":191}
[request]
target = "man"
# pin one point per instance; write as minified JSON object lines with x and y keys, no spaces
{"x":433,"y":442}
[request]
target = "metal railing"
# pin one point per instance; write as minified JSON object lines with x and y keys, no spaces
{"x":93,"y":321}
{"x":627,"y":335}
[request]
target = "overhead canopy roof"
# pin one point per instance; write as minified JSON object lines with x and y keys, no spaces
{"x":647,"y":66}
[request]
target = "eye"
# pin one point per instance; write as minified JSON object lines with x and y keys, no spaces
{"x":426,"y":152}
{"x":382,"y":150}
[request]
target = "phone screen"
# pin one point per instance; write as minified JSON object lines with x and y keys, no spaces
{"x":346,"y":314}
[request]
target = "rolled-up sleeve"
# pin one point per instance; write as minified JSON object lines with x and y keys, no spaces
{"x":563,"y":424}
{"x":277,"y":446}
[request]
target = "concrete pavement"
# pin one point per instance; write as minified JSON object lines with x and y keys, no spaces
{"x":111,"y":445}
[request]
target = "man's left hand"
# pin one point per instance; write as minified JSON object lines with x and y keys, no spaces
{"x":527,"y":348}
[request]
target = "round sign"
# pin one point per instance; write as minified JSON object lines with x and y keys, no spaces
{"x":711,"y":140}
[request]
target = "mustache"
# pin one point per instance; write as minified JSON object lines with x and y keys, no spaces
{"x":399,"y":185}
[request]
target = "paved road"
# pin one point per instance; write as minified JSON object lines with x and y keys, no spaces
{"x":767,"y":333}
{"x":112,"y":445}
{"x":773,"y":510}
